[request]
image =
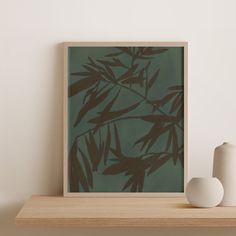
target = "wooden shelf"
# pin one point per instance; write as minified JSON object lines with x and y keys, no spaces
{"x":121,"y":212}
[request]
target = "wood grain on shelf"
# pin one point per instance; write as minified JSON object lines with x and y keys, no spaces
{"x":121,"y":212}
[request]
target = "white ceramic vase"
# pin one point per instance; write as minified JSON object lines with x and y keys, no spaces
{"x":224,"y":168}
{"x":204,"y":192}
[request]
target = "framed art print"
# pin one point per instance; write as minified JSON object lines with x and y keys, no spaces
{"x":125,"y":119}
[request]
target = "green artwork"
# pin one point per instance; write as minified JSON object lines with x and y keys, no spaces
{"x":125,"y":119}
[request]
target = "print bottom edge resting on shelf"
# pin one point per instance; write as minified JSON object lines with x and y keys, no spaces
{"x":125,"y":119}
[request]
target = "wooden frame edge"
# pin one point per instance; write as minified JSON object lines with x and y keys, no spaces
{"x":65,"y":47}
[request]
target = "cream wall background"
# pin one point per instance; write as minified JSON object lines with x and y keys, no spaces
{"x":31,"y":87}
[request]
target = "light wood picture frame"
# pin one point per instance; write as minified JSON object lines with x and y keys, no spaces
{"x":125,"y":128}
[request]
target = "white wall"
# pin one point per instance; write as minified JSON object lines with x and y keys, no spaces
{"x":31,"y":97}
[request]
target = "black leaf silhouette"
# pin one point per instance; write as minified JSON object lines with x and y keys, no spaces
{"x":157,"y":163}
{"x":76,"y":172}
{"x":152,"y":51}
{"x":117,"y":140}
{"x":95,"y":152}
{"x":114,"y":169}
{"x":158,"y":118}
{"x":87,"y":168}
{"x":115,"y":62}
{"x":169,"y":140}
{"x":91,"y":91}
{"x":163,"y":101}
{"x":153,"y":78}
{"x":128,"y":73}
{"x":129,"y":183}
{"x":107,"y":66}
{"x":127,"y":50}
{"x":177,"y":103}
{"x":135,"y":80}
{"x":133,"y":166}
{"x":181,"y":158}
{"x":81,"y":85}
{"x":152,"y":136}
{"x":115,"y":54}
{"x":81,"y":73}
{"x":94,"y":65}
{"x":107,"y":145}
{"x":109,"y":115}
{"x":93,"y":102}
{"x":177,"y":87}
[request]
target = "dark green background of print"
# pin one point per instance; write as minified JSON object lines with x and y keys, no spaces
{"x":169,"y":177}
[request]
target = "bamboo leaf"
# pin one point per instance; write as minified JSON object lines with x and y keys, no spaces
{"x":178,"y":101}
{"x":177,"y":87}
{"x":94,"y":65}
{"x":158,"y":118}
{"x":163,"y":101}
{"x":147,"y":66}
{"x":140,"y":50}
{"x":114,"y":63}
{"x":92,"y":150}
{"x":83,"y":73}
{"x":106,"y":116}
{"x":80,"y":85}
{"x":114,"y":114}
{"x":133,"y":81}
{"x":90,"y":69}
{"x":87,"y":168}
{"x":141,"y":181}
{"x":128,"y":183}
{"x":73,"y":173}
{"x":93,"y":102}
{"x":89,"y":93}
{"x":109,"y":70}
{"x":126,"y":50}
{"x":117,"y":153}
{"x":134,"y":186}
{"x":153,"y":78}
{"x":110,"y":104}
{"x":152,"y":136}
{"x":76,"y":169}
{"x":128,"y":73}
{"x":117,"y":140}
{"x":168,"y":143}
{"x":117,"y":62}
{"x":154,"y":51}
{"x":181,"y":158}
{"x":114,"y":54}
{"x":101,"y":148}
{"x":159,"y":162}
{"x":114,"y":169}
{"x":82,"y":178}
{"x":107,"y":145}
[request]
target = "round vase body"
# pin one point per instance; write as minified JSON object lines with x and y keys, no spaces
{"x":204,"y":192}
{"x":224,"y":168}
